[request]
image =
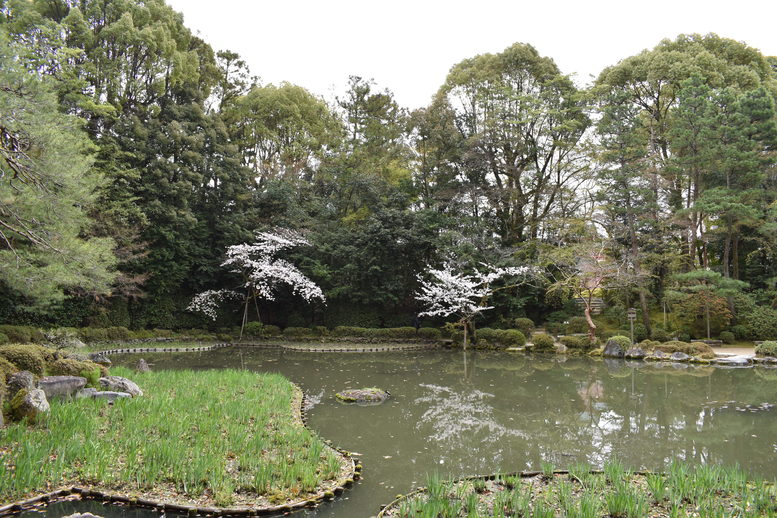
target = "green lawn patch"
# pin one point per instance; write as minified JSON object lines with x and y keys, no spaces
{"x":683,"y":492}
{"x":207,"y":438}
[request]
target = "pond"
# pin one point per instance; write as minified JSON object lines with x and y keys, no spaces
{"x":472,"y":413}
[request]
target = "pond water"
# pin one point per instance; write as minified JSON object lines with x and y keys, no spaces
{"x":471,"y":413}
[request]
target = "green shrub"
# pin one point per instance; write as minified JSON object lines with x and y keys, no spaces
{"x":429,"y":333}
{"x":761,"y":323}
{"x":542,"y":342}
{"x":25,"y":357}
{"x":319,"y":330}
{"x":357,"y":332}
{"x":73,"y":367}
{"x":253,"y":329}
{"x":271,"y":330}
{"x":298,"y":332}
{"x":17,"y":334}
{"x":649,"y":345}
{"x":524,"y":325}
{"x":3,"y":338}
{"x":683,"y":337}
{"x":740,"y":331}
{"x":577,"y":325}
{"x":119,"y":333}
{"x":767,"y":348}
{"x":727,"y":337}
{"x":93,"y":334}
{"x":500,"y":337}
{"x":390,"y":332}
{"x":693,"y":349}
{"x":556,"y":328}
{"x":576,"y":342}
{"x":93,"y":376}
{"x":6,"y":369}
{"x":623,"y":341}
{"x":658,"y":334}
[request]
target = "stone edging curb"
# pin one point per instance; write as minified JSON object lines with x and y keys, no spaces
{"x":345,"y":481}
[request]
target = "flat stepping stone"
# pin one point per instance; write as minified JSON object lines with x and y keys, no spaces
{"x":370,"y":395}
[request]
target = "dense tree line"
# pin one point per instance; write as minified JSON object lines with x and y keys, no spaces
{"x":132,"y":155}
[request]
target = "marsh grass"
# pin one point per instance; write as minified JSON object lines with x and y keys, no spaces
{"x":215,"y":437}
{"x":709,"y":491}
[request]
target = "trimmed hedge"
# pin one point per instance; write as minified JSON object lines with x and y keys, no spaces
{"x":524,"y":325}
{"x":767,"y":348}
{"x":500,"y":337}
{"x":24,"y":357}
{"x":727,"y":337}
{"x":581,"y":343}
{"x":543,"y":342}
{"x":429,"y":333}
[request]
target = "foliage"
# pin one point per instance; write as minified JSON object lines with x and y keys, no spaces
{"x":624,"y":342}
{"x":429,"y":333}
{"x":524,"y":325}
{"x":761,"y":324}
{"x":582,"y":343}
{"x":766,"y":348}
{"x":228,"y":432}
{"x":577,"y":325}
{"x":542,"y":342}
{"x":503,"y":337}
{"x":25,"y":357}
{"x":727,"y":337}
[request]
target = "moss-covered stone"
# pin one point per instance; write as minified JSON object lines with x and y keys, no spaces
{"x":363,"y":395}
{"x":25,"y":357}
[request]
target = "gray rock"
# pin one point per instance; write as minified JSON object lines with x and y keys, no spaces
{"x":657,"y":355}
{"x":635,"y":353}
{"x":119,"y":384}
{"x":18,"y":381}
{"x":61,"y":386}
{"x":83,"y":515}
{"x":679,"y":357}
{"x":31,"y":404}
{"x":86,"y":392}
{"x":734,"y":361}
{"x":613,"y":350}
{"x":64,"y":338}
{"x":364,"y":395}
{"x":100,"y":359}
{"x":142,"y":366}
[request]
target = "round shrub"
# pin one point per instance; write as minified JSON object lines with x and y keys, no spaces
{"x":524,"y":325}
{"x":119,"y":333}
{"x":93,"y":334}
{"x":25,"y":357}
{"x":542,"y":342}
{"x":624,"y":342}
{"x":727,"y":337}
{"x":513,"y":337}
{"x":658,"y":334}
{"x":270,"y":330}
{"x":253,"y":329}
{"x":767,"y":348}
{"x":6,"y":369}
{"x":73,"y":367}
{"x":298,"y":332}
{"x":740,"y":331}
{"x":17,"y":334}
{"x":683,"y":337}
{"x":429,"y":333}
{"x":761,"y":323}
{"x":573,"y":342}
{"x":577,"y":325}
{"x":350,"y":331}
{"x":556,"y":328}
{"x":649,"y":345}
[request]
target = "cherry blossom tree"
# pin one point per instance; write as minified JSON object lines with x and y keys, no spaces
{"x":262,"y":272}
{"x":448,"y":291}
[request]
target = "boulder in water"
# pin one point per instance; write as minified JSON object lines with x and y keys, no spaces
{"x":364,"y":395}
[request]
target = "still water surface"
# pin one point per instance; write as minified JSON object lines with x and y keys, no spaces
{"x":484,"y":412}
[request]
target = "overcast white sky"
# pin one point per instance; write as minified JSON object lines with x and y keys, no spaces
{"x":409,"y":45}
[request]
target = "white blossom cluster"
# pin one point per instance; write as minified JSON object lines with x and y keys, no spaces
{"x":446,"y":292}
{"x":262,"y":270}
{"x":208,"y":302}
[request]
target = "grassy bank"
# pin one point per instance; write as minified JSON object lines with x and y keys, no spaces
{"x":709,"y":491}
{"x":209,"y":438}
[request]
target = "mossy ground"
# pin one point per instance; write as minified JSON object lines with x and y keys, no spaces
{"x":207,"y":438}
{"x":709,"y":491}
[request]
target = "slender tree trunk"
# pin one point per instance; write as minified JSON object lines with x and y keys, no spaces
{"x":726,"y":255}
{"x":735,"y":258}
{"x":591,"y":324}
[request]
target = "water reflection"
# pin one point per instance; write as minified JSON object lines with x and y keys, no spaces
{"x":479,"y":412}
